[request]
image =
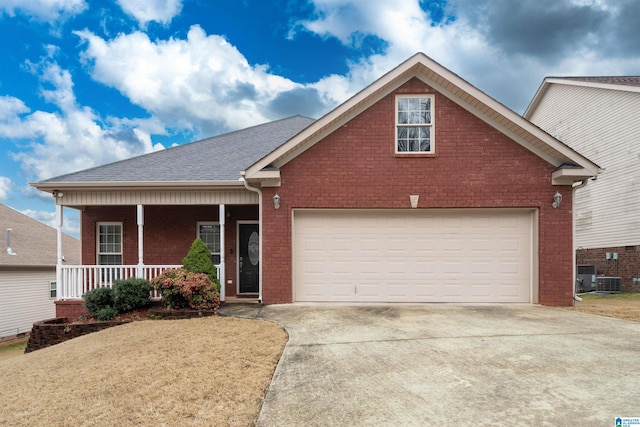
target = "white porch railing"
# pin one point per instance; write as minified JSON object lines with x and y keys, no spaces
{"x":78,"y":279}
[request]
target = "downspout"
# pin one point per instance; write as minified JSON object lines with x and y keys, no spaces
{"x":573,"y":232}
{"x":257,"y":190}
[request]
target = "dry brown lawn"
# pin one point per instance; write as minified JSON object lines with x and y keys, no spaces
{"x":623,"y":305}
{"x":208,"y":371}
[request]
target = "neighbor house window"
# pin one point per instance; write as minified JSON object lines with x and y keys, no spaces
{"x":414,"y":124}
{"x":209,"y":233}
{"x":109,"y":243}
{"x":53,"y":292}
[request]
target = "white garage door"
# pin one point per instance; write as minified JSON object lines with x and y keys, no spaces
{"x":413,"y":255}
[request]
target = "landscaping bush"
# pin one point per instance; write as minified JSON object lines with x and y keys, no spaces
{"x":180,"y":288}
{"x":130,"y":294}
{"x":198,"y":260}
{"x":98,"y":299}
{"x":107,"y":313}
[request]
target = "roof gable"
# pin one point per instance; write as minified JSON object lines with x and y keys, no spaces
{"x":619,"y":83}
{"x":34,"y":243}
{"x":453,"y":87}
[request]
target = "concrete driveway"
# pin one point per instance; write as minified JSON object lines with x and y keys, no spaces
{"x":450,"y":365}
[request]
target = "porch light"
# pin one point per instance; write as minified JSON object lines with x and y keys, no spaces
{"x":276,"y":201}
{"x":557,"y":199}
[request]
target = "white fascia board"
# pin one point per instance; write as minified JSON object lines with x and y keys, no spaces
{"x":567,"y":176}
{"x":139,"y":185}
{"x":598,"y":85}
{"x":267,"y":178}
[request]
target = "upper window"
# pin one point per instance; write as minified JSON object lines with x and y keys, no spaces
{"x":209,"y":233}
{"x":414,"y":124}
{"x":110,"y":243}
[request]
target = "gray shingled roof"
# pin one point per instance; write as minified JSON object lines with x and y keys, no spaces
{"x":613,"y":80}
{"x":34,"y":242}
{"x":220,"y":158}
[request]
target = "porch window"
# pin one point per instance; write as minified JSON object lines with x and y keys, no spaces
{"x":414,"y":124}
{"x":209,"y":233}
{"x":53,"y":292}
{"x":109,"y":243}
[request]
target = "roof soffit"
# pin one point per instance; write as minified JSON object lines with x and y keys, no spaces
{"x":448,"y":84}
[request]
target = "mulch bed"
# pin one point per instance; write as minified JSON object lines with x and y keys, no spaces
{"x":154,"y":311}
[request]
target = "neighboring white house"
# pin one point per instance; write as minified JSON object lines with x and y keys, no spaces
{"x":28,"y":270}
{"x":600,"y":118}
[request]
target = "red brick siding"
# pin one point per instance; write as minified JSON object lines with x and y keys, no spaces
{"x":475,"y":166}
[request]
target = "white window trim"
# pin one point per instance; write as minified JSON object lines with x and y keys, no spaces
{"x":98,"y":253}
{"x":199,"y":223}
{"x":431,"y":126}
{"x":53,"y":287}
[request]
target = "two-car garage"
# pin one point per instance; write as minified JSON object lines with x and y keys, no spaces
{"x":415,"y":255}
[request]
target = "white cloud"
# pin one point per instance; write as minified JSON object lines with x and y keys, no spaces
{"x":5,"y":187}
{"x":69,"y":139}
{"x":145,"y":11}
{"x":498,"y":46}
{"x":201,"y":82}
{"x":50,"y":11}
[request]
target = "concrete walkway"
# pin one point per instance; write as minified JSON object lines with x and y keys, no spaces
{"x":379,"y":365}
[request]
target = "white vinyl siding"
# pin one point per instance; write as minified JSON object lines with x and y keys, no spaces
{"x":603,"y":125}
{"x":157,"y":197}
{"x":414,"y":255}
{"x":24,"y":299}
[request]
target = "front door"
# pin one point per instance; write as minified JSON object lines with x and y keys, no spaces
{"x":248,"y":258}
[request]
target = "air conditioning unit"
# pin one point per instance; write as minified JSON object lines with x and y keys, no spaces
{"x":608,"y":284}
{"x":586,"y":278}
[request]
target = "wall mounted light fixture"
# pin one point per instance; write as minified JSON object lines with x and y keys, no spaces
{"x":276,"y":201}
{"x":557,"y":199}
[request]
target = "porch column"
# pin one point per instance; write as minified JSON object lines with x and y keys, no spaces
{"x":59,"y":288}
{"x":222,"y":219}
{"x":140,"y":222}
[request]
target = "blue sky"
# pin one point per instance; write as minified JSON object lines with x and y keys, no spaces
{"x":88,"y":82}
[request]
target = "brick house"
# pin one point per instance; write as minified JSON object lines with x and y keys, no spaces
{"x":420,"y":188}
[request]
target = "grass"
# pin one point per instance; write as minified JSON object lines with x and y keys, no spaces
{"x":206,"y":371}
{"x":10,"y":347}
{"x":624,"y":305}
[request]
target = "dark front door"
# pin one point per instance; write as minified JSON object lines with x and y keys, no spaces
{"x":249,"y":258}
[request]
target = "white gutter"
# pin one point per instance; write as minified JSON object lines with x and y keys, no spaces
{"x":257,"y":190}
{"x":573,"y":233}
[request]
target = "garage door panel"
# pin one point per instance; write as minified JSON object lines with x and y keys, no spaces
{"x":413,"y":255}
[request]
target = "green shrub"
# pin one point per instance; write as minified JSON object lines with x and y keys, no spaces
{"x":107,"y":313}
{"x":130,"y":294}
{"x":180,"y":288}
{"x":198,"y":260}
{"x":97,"y":299}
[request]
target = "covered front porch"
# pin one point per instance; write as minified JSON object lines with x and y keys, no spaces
{"x":121,"y":240}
